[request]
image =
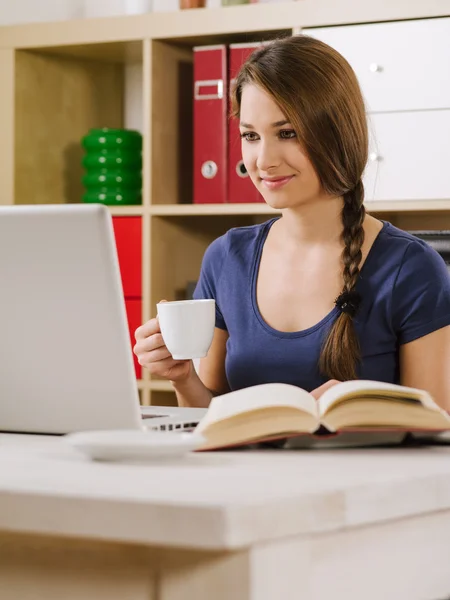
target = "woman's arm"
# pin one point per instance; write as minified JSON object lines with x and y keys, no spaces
{"x":425,"y":364}
{"x":197,"y":390}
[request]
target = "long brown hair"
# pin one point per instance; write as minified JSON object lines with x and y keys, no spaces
{"x":319,"y":94}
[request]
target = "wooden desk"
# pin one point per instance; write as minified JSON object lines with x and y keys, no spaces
{"x":269,"y":525}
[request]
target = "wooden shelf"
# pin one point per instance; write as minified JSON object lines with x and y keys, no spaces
{"x":117,"y":211}
{"x":199,"y":210}
{"x":230,"y":23}
{"x":386,"y":206}
{"x":408,"y":206}
{"x":184,"y":210}
{"x":107,"y":52}
{"x":160,"y":385}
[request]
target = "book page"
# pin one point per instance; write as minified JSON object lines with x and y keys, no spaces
{"x":358,"y":387}
{"x":257,"y":397}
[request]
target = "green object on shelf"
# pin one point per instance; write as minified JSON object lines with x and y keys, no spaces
{"x":112,"y":160}
{"x":113,"y":197}
{"x":113,"y":165}
{"x":112,"y":138}
{"x":110,"y":179}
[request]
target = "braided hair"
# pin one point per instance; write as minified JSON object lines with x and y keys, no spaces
{"x":342,"y":340}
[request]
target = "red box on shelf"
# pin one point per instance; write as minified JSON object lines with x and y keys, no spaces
{"x":210,"y":124}
{"x":240,"y":186}
{"x":134,"y":315}
{"x":128,"y":234}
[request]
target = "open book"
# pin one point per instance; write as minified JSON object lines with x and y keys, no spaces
{"x":278,"y":410}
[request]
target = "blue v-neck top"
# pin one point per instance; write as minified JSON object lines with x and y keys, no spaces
{"x":405,"y":289}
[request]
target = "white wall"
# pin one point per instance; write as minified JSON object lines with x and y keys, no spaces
{"x":31,"y":11}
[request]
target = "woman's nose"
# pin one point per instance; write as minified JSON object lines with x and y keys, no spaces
{"x":268,"y":157}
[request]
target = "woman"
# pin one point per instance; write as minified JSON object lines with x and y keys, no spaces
{"x":324,"y":293}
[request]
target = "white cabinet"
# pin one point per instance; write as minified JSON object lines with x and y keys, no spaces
{"x":404,"y":71}
{"x":409,"y":156}
{"x":401,"y":65}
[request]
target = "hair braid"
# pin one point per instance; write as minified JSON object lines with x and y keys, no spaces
{"x":341,"y":352}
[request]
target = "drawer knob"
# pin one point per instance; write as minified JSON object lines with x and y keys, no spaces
{"x":374,"y":157}
{"x":375,"y":68}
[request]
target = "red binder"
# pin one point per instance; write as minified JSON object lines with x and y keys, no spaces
{"x":210,"y":124}
{"x":240,"y":186}
{"x":128,"y":235}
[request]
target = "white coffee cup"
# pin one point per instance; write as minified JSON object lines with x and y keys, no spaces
{"x":187,"y":327}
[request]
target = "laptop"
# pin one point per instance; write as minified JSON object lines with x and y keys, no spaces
{"x":65,"y":353}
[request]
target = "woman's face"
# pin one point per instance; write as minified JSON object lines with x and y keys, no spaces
{"x":272,"y":154}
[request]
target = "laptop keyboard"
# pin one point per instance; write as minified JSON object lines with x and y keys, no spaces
{"x":183,"y":426}
{"x":177,"y":427}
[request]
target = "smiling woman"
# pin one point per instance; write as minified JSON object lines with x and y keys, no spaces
{"x":326,"y":292}
{"x":271,"y":182}
{"x":307,"y":143}
{"x":272,"y":154}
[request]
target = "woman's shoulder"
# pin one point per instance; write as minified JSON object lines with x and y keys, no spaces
{"x":249,"y":234}
{"x":238,"y":240}
{"x":399,"y":237}
{"x":410,"y":256}
{"x":401,"y":246}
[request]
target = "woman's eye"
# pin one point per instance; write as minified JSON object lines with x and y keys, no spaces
{"x":287,"y":134}
{"x":249,"y":136}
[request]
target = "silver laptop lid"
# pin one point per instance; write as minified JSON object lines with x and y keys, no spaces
{"x":65,"y":355}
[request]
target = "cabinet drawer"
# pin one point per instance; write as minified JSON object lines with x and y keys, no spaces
{"x":134,"y":316}
{"x":409,"y":156}
{"x":400,"y":65}
{"x":128,"y":234}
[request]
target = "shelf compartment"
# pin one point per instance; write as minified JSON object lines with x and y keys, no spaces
{"x":126,"y":52}
{"x":172,"y":122}
{"x":160,"y":385}
{"x":177,"y":248}
{"x":163,"y":398}
{"x":48,"y":88}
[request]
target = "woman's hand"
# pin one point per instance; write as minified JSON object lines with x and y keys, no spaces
{"x":153,"y":354}
{"x":323,"y":388}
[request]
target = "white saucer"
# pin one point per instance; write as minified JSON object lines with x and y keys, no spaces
{"x":119,"y":445}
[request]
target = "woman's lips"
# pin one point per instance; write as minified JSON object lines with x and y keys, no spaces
{"x":275,"y":183}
